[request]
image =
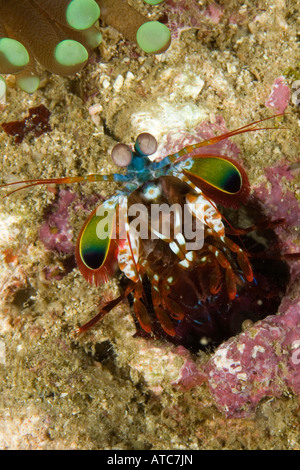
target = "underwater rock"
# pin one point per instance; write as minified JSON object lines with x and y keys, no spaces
{"x":263,"y":361}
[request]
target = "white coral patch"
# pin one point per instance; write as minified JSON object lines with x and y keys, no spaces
{"x":222,"y":362}
{"x":256,"y":350}
{"x":7,"y":231}
{"x":164,"y":115}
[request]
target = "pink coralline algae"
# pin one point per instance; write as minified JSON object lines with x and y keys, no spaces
{"x":206,"y":130}
{"x":56,"y":232}
{"x":214,"y":13}
{"x":190,"y":375}
{"x":281,"y":203}
{"x":279,"y":97}
{"x":263,"y":361}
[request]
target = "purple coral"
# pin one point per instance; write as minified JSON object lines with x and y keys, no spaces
{"x":56,"y":232}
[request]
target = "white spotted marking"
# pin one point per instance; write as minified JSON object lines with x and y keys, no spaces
{"x":190,"y":255}
{"x":180,"y":238}
{"x":184,"y":263}
{"x":151,"y":192}
{"x":174,"y":247}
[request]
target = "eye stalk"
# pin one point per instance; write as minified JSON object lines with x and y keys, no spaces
{"x":145,"y":144}
{"x":121,"y":155}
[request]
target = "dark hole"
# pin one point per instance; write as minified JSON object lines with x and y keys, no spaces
{"x":211,"y":319}
{"x":22,"y":298}
{"x":104,"y":352}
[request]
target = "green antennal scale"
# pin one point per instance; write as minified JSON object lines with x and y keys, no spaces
{"x":221,"y":173}
{"x":97,"y":244}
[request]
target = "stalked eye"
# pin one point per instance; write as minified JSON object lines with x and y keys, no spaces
{"x":121,"y":155}
{"x":145,"y":144}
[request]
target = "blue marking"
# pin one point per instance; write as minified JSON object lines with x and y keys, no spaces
{"x":122,"y":178}
{"x":130,"y":187}
{"x":137,"y":163}
{"x":158,"y":165}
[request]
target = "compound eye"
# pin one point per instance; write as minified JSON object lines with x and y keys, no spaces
{"x":121,"y":155}
{"x":145,"y":144}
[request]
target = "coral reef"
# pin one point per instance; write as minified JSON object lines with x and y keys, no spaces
{"x":263,"y":361}
{"x":110,"y":389}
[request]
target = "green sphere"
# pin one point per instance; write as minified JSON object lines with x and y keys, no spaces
{"x":14,"y":52}
{"x":70,"y":53}
{"x":153,"y":37}
{"x":82,"y":14}
{"x":153,"y":2}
